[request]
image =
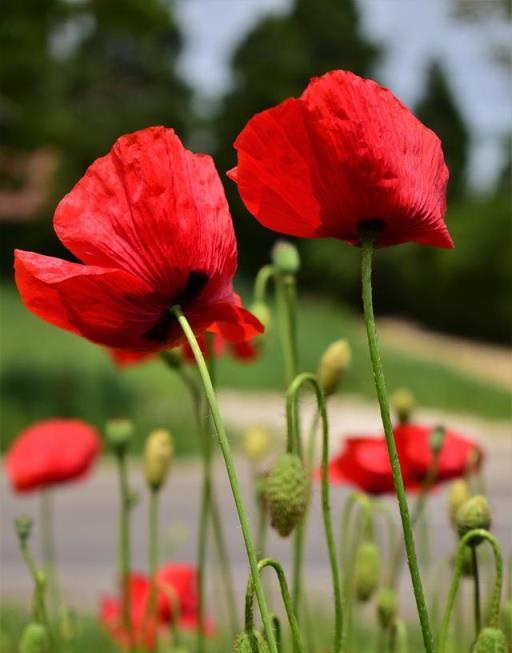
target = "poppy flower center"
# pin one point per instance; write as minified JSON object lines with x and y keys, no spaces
{"x":196,"y":282}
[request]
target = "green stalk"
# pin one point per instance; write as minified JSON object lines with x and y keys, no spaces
{"x":39,"y":578}
{"x":476,"y":586}
{"x":378,"y":373}
{"x":293,"y":435}
{"x":231,"y":471}
{"x":473,"y":536}
{"x":249,"y":600}
{"x":124,"y":544}
{"x":153,"y":560}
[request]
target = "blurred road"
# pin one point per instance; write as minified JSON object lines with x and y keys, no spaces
{"x":86,"y":513}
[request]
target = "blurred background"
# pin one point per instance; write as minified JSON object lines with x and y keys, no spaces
{"x":76,"y":74}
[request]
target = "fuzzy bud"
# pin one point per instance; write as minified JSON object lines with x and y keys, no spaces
{"x":387,"y":606}
{"x":403,"y":403}
{"x":506,"y":622}
{"x":333,"y":364}
{"x":119,"y":433}
{"x":490,"y":640}
{"x":157,"y":458}
{"x":473,"y":513}
{"x":436,"y":439}
{"x":256,"y":443}
{"x":23,"y":525}
{"x":458,"y":494}
{"x":285,"y":257}
{"x":366,"y":570}
{"x":34,"y":639}
{"x":286,"y":493}
{"x":261,"y":311}
{"x":252,"y":642}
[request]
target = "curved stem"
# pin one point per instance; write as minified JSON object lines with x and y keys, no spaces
{"x":265,"y":274}
{"x":476,"y":585}
{"x":293,"y":424}
{"x":230,"y":468}
{"x":285,"y":594}
{"x":277,"y":632}
{"x":378,"y":373}
{"x":474,"y":535}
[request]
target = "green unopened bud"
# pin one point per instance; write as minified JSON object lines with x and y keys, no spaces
{"x":285,"y":257}
{"x":286,"y":493}
{"x":261,"y":311}
{"x":403,"y":403}
{"x":333,"y":365}
{"x":252,"y":642}
{"x":34,"y":639}
{"x":458,"y":493}
{"x":173,"y":358}
{"x":157,"y":458}
{"x":473,"y":513}
{"x":387,"y":606}
{"x":506,"y":622}
{"x":436,"y":439}
{"x":23,"y":525}
{"x":490,"y":640}
{"x":256,"y":443}
{"x":366,"y":570}
{"x":119,"y":434}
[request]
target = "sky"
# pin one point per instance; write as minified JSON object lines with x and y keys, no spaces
{"x":412,"y":31}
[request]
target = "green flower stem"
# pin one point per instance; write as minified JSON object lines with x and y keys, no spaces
{"x":277,"y":632}
{"x":494,"y":613}
{"x":378,"y":373}
{"x":230,"y":468}
{"x":154,"y":496}
{"x":264,"y":276}
{"x":285,"y":298}
{"x":293,"y":436}
{"x":48,"y":546}
{"x":381,"y":507}
{"x":285,"y":593}
{"x":398,"y":638}
{"x":476,"y":585}
{"x":124,"y":544}
{"x":40,"y":612}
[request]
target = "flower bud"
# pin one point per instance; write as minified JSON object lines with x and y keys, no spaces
{"x":473,"y":513}
{"x":333,"y":364}
{"x":366,"y":570}
{"x":23,"y":525}
{"x":34,"y":639}
{"x":285,"y":257}
{"x":387,"y":606}
{"x":119,"y":434}
{"x":157,"y":458}
{"x":286,"y":493}
{"x":436,"y":439}
{"x":402,"y":403}
{"x":261,"y":311}
{"x":490,"y":640}
{"x":256,"y":443}
{"x":458,"y":493}
{"x":506,"y":622}
{"x":252,"y":642}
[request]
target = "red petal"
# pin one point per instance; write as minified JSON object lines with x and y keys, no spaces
{"x":151,"y":208}
{"x":51,"y":452}
{"x":345,"y":152}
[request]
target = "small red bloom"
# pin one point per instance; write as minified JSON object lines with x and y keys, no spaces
{"x":151,"y":224}
{"x":51,"y":452}
{"x":175,"y":582}
{"x":346,"y":152}
{"x":364,"y":463}
{"x":413,"y":444}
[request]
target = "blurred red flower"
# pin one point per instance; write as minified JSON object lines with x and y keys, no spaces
{"x":151,"y":223}
{"x":177,"y":586}
{"x":457,"y":455}
{"x":51,"y":452}
{"x":346,"y":152}
{"x":245,"y":351}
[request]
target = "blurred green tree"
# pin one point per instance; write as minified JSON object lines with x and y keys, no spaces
{"x":438,"y":110}
{"x":274,"y":62}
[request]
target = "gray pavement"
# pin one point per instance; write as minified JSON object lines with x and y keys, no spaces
{"x":86,"y":512}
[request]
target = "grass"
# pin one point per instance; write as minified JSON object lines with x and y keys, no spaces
{"x":47,"y":372}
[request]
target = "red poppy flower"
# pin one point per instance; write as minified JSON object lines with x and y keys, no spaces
{"x":245,"y":351}
{"x":51,"y":452}
{"x":151,"y":224}
{"x":364,"y":463}
{"x":413,"y":443}
{"x":345,"y":157}
{"x":176,"y":582}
